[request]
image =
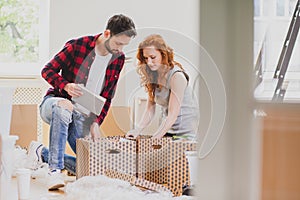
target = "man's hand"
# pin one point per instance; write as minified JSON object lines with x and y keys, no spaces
{"x":95,"y":131}
{"x":73,"y":90}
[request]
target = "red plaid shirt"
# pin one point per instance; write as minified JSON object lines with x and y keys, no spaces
{"x":72,"y":65}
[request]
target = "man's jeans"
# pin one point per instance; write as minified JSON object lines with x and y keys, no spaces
{"x":65,"y":125}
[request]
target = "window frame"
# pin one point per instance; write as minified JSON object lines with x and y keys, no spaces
{"x":32,"y":69}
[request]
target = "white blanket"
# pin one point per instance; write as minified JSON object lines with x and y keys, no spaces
{"x":104,"y":188}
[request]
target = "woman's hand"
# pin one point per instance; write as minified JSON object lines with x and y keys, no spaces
{"x":158,"y":136}
{"x":133,"y":134}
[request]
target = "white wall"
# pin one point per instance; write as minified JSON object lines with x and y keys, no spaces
{"x":72,"y":18}
{"x":69,"y":19}
{"x":214,"y":177}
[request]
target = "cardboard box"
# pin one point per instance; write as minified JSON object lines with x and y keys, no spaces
{"x":24,"y":124}
{"x":117,"y":122}
{"x":156,"y":164}
{"x":141,"y":183}
{"x":115,"y":153}
{"x":163,"y":161}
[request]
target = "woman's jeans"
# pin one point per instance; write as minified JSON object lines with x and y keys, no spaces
{"x":65,"y":125}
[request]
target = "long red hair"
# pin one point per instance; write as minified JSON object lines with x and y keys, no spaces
{"x":149,"y":77}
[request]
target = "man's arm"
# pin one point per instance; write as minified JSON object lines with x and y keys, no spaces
{"x":51,"y":70}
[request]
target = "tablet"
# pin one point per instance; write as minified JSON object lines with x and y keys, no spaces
{"x":88,"y":102}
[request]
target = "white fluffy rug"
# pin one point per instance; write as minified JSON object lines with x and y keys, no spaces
{"x":104,"y":188}
{"x":95,"y":187}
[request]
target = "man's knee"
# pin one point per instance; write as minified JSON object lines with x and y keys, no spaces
{"x":66,"y":104}
{"x":63,"y":110}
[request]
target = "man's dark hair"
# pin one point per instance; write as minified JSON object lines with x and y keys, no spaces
{"x":121,"y":24}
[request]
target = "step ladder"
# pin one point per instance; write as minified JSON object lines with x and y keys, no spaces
{"x":285,"y":55}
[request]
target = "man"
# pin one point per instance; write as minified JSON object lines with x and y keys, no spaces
{"x":95,"y":62}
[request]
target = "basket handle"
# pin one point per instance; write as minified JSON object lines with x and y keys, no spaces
{"x":156,"y":146}
{"x":112,"y":151}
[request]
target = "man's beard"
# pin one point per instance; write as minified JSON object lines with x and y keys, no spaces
{"x":106,"y":44}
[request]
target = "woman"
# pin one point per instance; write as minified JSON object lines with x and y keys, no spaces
{"x":166,"y":83}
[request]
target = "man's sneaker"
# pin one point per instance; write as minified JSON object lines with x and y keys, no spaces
{"x":40,"y":172}
{"x":55,"y":180}
{"x":34,"y":155}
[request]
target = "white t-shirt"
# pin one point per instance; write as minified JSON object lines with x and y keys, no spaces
{"x":95,"y":81}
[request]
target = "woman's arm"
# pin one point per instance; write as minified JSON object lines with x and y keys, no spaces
{"x":145,"y":120}
{"x":178,"y":84}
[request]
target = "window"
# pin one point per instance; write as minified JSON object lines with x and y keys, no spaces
{"x":280,"y":8}
{"x":285,"y":8}
{"x":23,"y":36}
{"x":292,"y":4}
{"x":257,"y":8}
{"x":270,"y":32}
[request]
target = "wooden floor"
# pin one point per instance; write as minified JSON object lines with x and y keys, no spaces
{"x":38,"y":190}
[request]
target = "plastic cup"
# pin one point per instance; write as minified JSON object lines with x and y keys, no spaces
{"x":7,"y":143}
{"x":193,"y":166}
{"x":23,"y":180}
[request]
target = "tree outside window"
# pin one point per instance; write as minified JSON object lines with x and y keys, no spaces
{"x":19,"y":39}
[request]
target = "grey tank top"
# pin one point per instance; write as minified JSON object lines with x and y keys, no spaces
{"x":187,"y":121}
